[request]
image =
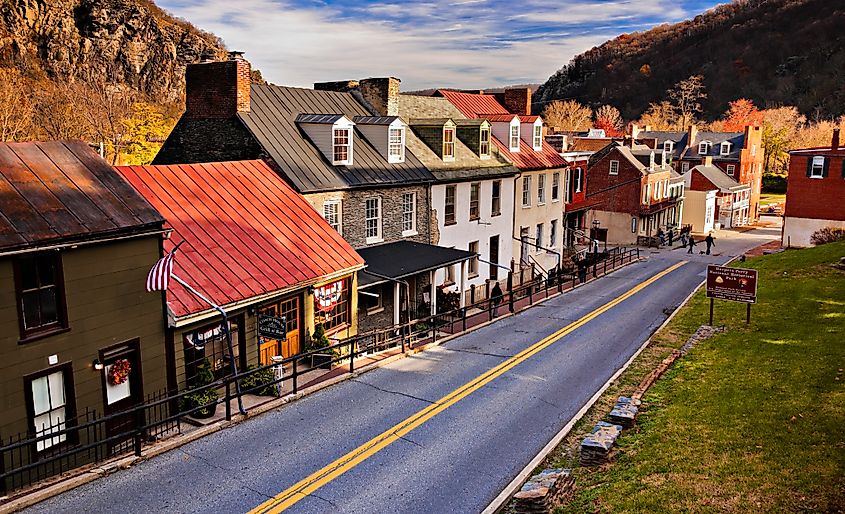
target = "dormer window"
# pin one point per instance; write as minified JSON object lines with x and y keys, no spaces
{"x":396,"y":144}
{"x":449,"y":144}
{"x":538,"y":137}
{"x":332,"y":135}
{"x":484,"y":143}
{"x":668,"y":146}
{"x":703,"y":147}
{"x":385,"y":133}
{"x":514,"y":139}
{"x":342,"y":146}
{"x":725,"y":148}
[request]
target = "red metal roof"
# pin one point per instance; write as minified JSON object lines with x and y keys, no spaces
{"x":246,"y":232}
{"x":483,"y":106}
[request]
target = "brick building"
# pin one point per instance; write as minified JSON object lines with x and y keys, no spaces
{"x":731,"y":207}
{"x":815,"y":195}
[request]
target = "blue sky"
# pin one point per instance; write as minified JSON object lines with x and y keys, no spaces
{"x":447,"y":43}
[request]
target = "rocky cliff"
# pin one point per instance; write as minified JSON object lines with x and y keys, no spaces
{"x":131,"y":43}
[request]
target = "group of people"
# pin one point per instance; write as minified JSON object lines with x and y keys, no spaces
{"x":687,"y":240}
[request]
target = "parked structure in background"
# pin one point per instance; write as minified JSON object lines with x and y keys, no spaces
{"x":81,"y":336}
{"x":636,"y":190}
{"x":538,"y":193}
{"x":727,"y":201}
{"x":255,"y":247}
{"x":738,"y":155}
{"x":815,"y":195}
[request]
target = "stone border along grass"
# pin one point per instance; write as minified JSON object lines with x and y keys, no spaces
{"x":552,"y":487}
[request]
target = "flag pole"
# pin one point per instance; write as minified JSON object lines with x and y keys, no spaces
{"x":226,"y":331}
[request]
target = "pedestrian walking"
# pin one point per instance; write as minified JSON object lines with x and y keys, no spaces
{"x":496,"y":298}
{"x":671,"y":234}
{"x":691,"y":243}
{"x":710,"y":242}
{"x":661,"y":237}
{"x":683,"y":239}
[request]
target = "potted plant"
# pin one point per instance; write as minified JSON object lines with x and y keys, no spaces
{"x":319,"y":343}
{"x":205,"y":398}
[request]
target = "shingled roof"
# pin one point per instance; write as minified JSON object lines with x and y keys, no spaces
{"x":62,"y":192}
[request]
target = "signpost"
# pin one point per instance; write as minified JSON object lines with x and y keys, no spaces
{"x":733,"y":284}
{"x":272,"y":327}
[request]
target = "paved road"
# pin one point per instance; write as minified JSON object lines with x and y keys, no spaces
{"x":457,"y":461}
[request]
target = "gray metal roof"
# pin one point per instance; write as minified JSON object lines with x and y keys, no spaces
{"x":679,"y":140}
{"x":429,"y":122}
{"x":272,"y":121}
{"x":736,"y":139}
{"x":374,"y":120}
{"x":318,"y":118}
{"x":718,"y":178}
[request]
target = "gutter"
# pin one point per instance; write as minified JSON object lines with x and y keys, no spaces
{"x":87,"y":242}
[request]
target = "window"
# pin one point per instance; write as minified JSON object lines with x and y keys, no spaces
{"x":473,"y":263}
{"x":541,"y":189}
{"x":474,"y":191}
{"x":409,"y":214}
{"x":555,"y":186}
{"x":567,"y":185}
{"x":725,"y":148}
{"x":450,"y":274}
{"x":539,"y":240}
{"x":448,"y":144}
{"x":614,"y":167}
{"x":332,"y":314}
{"x":484,"y":143}
{"x":342,"y":146}
{"x":668,"y":146}
{"x":514,"y":138}
{"x":371,"y":299}
{"x":331,"y":211}
{"x":731,"y":168}
{"x":579,"y":179}
{"x":684,"y":167}
{"x":209,"y":343}
{"x":372,"y":220}
{"x":646,"y":193}
{"x":703,"y":147}
{"x":538,"y":137}
{"x":816,"y":167}
{"x":50,"y":395}
{"x":496,"y":198}
{"x":553,"y":234}
{"x":633,"y":225}
{"x":40,"y":292}
{"x":449,"y":207}
{"x":396,"y":145}
{"x":494,"y":257}
{"x":526,"y":191}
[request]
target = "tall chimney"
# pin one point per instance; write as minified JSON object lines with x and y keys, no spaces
{"x":692,"y":133}
{"x":217,"y":89}
{"x":635,"y":131}
{"x":382,"y":94}
{"x":834,"y":142}
{"x":708,"y":160}
{"x":517,"y":100}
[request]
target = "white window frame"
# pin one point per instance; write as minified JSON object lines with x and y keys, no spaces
{"x":395,"y":149}
{"x":449,"y":144}
{"x":730,"y":169}
{"x":614,"y":167}
{"x":495,"y":210}
{"x":484,"y":142}
{"x":377,"y":236}
{"x":556,"y":186}
{"x":703,"y":147}
{"x":634,"y":224}
{"x":337,"y":223}
{"x":579,"y":179}
{"x":475,"y":186}
{"x":338,"y":132}
{"x":526,"y":191}
{"x":514,"y":136}
{"x":725,"y":148}
{"x":50,"y":417}
{"x":668,"y":146}
{"x":541,"y":189}
{"x":817,"y":163}
{"x":409,"y":214}
{"x":538,"y":137}
{"x":472,"y":265}
{"x":684,"y":167}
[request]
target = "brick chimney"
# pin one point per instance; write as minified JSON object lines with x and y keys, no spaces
{"x":382,"y":94}
{"x":707,"y":161}
{"x":692,"y":133}
{"x":834,"y":142}
{"x":517,"y":100}
{"x":217,"y":89}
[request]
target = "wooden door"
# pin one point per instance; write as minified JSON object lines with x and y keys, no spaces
{"x":290,"y":308}
{"x":122,"y":391}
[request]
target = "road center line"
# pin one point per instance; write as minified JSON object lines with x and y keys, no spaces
{"x":318,"y":479}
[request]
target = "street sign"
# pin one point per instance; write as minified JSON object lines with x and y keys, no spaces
{"x":734,"y":284}
{"x":272,"y":327}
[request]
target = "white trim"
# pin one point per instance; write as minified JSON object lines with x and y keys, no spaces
{"x":514,"y":136}
{"x":378,"y":238}
{"x":614,"y":165}
{"x":392,"y":158}
{"x":338,"y":213}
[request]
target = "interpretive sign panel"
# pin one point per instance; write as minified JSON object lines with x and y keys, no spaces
{"x":734,"y":284}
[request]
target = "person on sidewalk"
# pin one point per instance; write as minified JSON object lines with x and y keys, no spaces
{"x":495,"y":299}
{"x":691,"y":243}
{"x":661,"y":237}
{"x":683,"y":239}
{"x":671,"y":235}
{"x":710,"y":242}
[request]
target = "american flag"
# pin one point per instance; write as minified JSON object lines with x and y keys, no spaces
{"x":159,"y":276}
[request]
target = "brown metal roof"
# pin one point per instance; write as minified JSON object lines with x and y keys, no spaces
{"x":61,"y":191}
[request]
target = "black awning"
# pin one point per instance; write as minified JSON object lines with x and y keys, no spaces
{"x":366,"y":280}
{"x":406,"y":258}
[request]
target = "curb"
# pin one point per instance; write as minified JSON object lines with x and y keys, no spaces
{"x":89,"y":474}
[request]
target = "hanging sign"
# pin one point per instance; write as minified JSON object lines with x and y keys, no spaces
{"x":327,"y":296}
{"x":272,"y":327}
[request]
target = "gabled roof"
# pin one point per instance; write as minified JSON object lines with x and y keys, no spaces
{"x":499,"y":118}
{"x":246,"y":232}
{"x":736,"y":139}
{"x":678,"y":138}
{"x":61,"y":191}
{"x":429,"y":122}
{"x":718,"y":178}
{"x":374,"y":120}
{"x":474,"y":105}
{"x":639,"y":157}
{"x":272,"y":122}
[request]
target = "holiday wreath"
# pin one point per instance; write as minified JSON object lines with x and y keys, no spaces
{"x":119,"y":372}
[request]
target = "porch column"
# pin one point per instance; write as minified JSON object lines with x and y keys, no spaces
{"x":433,"y":292}
{"x":396,"y":301}
{"x":464,"y":269}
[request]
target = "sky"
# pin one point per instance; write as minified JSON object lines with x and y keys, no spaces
{"x":431,"y":43}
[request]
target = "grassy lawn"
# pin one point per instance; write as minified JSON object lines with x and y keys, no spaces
{"x":770,"y":198}
{"x":751,"y":420}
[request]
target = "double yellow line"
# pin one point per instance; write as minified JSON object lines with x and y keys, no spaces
{"x":318,"y":479}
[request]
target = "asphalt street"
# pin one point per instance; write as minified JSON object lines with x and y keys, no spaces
{"x":456,"y":461}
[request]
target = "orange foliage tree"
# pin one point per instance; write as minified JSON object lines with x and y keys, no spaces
{"x":740,"y":113}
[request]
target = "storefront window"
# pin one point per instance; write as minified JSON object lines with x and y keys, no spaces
{"x":209,"y":343}
{"x":331,"y":304}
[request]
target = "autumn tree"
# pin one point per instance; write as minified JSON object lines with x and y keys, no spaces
{"x":567,"y":115}
{"x":60,"y":113}
{"x":780,"y":129}
{"x":107,"y":106}
{"x":16,"y":109}
{"x":740,"y":113}
{"x":146,"y":128}
{"x":685,"y":98}
{"x":609,"y":119}
{"x":659,"y":116}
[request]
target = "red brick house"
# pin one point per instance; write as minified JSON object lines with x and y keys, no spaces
{"x":636,"y":192}
{"x":815,"y":195}
{"x":732,"y":198}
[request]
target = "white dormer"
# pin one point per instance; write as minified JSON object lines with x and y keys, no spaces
{"x":385,"y":133}
{"x":332,"y":134}
{"x":668,"y":146}
{"x":725,"y":148}
{"x":704,"y":147}
{"x":651,"y":160}
{"x":513,"y":135}
{"x":505,"y":129}
{"x":532,"y":132}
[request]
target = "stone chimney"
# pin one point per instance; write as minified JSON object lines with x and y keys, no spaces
{"x":217,"y":89}
{"x":517,"y":100}
{"x":340,"y":86}
{"x":382,"y":94}
{"x":834,"y":142}
{"x":707,"y":161}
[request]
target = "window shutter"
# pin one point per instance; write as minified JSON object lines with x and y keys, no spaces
{"x":825,"y":167}
{"x":810,"y":166}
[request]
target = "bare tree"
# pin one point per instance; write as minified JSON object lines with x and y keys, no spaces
{"x":107,"y":106}
{"x":567,"y":115}
{"x":686,"y":97}
{"x":659,"y":116}
{"x":16,"y":109}
{"x":60,"y":112}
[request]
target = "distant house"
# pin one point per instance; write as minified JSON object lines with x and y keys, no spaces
{"x":254,"y":246}
{"x":76,"y":244}
{"x":738,"y":154}
{"x":636,"y":191}
{"x":815,"y":195}
{"x":731,"y":199}
{"x":538,"y":195}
